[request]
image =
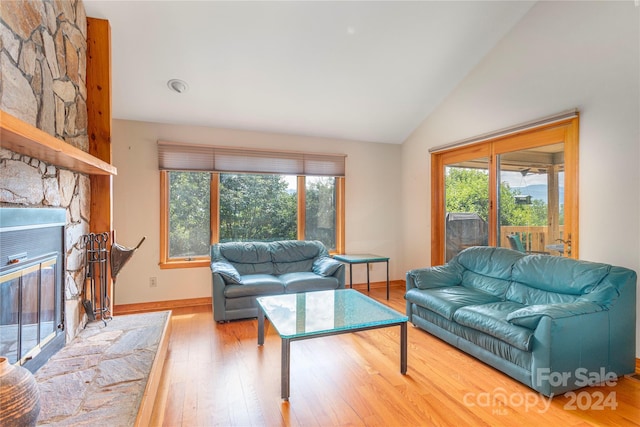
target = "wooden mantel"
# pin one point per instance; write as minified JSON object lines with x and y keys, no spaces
{"x":21,"y":137}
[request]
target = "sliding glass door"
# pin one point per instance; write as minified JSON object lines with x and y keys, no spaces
{"x":518,"y":191}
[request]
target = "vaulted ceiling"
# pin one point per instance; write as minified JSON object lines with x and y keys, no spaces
{"x":367,"y":71}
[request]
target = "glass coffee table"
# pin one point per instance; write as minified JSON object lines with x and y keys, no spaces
{"x":322,"y":313}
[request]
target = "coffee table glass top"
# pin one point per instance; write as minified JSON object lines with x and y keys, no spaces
{"x":321,"y":312}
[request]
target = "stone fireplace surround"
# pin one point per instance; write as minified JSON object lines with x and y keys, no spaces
{"x":43,"y":61}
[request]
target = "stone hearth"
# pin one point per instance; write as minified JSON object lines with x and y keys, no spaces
{"x":108,"y":375}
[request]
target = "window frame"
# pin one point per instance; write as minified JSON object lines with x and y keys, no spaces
{"x":214,"y":187}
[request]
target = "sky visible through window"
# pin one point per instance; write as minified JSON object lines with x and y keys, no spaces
{"x":531,"y":181}
{"x":292,"y":182}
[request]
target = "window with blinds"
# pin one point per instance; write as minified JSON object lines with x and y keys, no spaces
{"x":177,"y":156}
{"x":216,"y":194}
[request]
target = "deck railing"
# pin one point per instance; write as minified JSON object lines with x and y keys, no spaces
{"x":534,"y":239}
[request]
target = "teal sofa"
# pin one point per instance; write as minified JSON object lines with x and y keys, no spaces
{"x":552,"y":323}
{"x":242,"y":271}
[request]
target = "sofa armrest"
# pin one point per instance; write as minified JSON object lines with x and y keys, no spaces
{"x":339,"y":274}
{"x":572,"y":352}
{"x":329,"y":267}
{"x":227,"y":271}
{"x":434,"y":277}
{"x":217,"y":293}
{"x":529,"y":317}
{"x":325,"y":266}
{"x":222,"y":274}
{"x":600,"y":343}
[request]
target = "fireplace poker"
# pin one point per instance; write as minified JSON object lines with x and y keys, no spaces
{"x":87,"y":303}
{"x":102,"y":259}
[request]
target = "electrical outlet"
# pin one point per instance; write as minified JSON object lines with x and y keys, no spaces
{"x":153,"y":282}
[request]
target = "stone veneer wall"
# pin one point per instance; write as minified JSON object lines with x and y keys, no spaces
{"x":43,"y":82}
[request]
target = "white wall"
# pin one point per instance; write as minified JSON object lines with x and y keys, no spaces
{"x":561,"y":55}
{"x":372,"y":200}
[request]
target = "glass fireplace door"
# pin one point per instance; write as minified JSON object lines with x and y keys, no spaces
{"x":27,"y":310}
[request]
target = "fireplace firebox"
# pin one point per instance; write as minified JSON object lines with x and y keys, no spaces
{"x":32,"y":247}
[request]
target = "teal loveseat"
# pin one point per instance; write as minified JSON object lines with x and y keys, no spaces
{"x":552,"y":323}
{"x":242,"y":271}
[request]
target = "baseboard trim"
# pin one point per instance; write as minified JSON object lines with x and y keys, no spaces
{"x":637,"y":365}
{"x":144,"y":307}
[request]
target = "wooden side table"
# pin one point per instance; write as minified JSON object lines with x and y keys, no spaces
{"x":362,"y":259}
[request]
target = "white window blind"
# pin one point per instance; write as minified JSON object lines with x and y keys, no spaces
{"x":178,"y":156}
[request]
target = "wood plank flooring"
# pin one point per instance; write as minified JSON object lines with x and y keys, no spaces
{"x":216,"y":375}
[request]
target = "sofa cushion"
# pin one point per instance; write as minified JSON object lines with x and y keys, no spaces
{"x":289,"y":256}
{"x":296,"y":250}
{"x":558,"y":274}
{"x":437,"y":276}
{"x":492,"y":320}
{"x":248,"y":257}
{"x":307,"y":281}
{"x":445,"y":301}
{"x":605,"y":294}
{"x":246,"y":252}
{"x":530,"y":316}
{"x":487,"y":342}
{"x":227,"y":271}
{"x":489,"y":261}
{"x":527,"y":295}
{"x":292,"y":267}
{"x":255,"y":284}
{"x":490,"y":285}
{"x":325,"y":266}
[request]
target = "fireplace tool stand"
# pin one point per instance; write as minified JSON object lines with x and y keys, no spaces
{"x":96,"y":299}
{"x":97,"y":303}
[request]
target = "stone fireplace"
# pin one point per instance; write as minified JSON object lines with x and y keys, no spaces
{"x":43,"y":56}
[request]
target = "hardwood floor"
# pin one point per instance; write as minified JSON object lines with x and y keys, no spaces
{"x":216,"y":375}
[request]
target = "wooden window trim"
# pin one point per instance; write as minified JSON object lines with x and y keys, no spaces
{"x":169,"y":263}
{"x":340,"y":215}
{"x":302,"y":207}
{"x":215,"y":208}
{"x":164,"y":218}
